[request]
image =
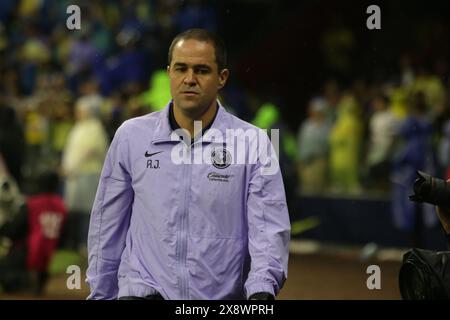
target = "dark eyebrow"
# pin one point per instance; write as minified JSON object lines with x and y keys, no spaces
{"x":181,"y":64}
{"x":202,"y":66}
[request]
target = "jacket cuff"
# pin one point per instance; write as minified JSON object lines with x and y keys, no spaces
{"x":259,"y":287}
{"x":103,"y":287}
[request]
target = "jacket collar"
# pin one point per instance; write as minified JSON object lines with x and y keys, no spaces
{"x":163,"y":130}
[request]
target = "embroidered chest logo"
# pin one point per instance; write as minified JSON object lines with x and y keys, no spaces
{"x":152,"y":163}
{"x":214,"y":176}
{"x":148,"y":155}
{"x":221,"y":158}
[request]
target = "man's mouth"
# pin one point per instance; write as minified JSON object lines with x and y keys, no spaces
{"x":189,"y":93}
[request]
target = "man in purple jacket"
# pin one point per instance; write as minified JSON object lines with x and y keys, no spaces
{"x":177,"y":217}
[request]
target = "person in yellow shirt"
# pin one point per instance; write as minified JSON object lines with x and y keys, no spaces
{"x":345,"y":141}
{"x":82,"y":163}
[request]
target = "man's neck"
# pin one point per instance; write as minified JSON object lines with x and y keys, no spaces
{"x":186,"y":121}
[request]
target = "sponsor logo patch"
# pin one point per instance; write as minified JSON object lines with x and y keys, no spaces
{"x":214,"y":176}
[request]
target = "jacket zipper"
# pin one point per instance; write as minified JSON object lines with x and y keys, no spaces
{"x":184,"y":229}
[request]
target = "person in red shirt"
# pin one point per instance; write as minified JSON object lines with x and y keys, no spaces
{"x":34,"y":232}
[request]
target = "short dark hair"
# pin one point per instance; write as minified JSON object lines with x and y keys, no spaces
{"x":220,"y":50}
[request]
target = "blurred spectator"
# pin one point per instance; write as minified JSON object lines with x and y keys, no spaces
{"x":432,"y":88}
{"x":60,"y":115}
{"x":313,"y":148}
{"x":10,"y":197}
{"x":443,"y":154}
{"x":196,"y":14}
{"x":345,"y":147}
{"x":12,"y":142}
{"x":102,"y":36}
{"x":131,"y":65}
{"x":332,"y":96}
{"x":34,"y":53}
{"x":62,"y":122}
{"x":268,"y":118}
{"x":89,"y":92}
{"x":157,"y":96}
{"x":82,"y":54}
{"x":34,"y":234}
{"x":82,"y":163}
{"x":36,"y":134}
{"x":413,"y":153}
{"x":29,"y":8}
{"x":115,"y":115}
{"x":382,"y":129}
{"x":399,"y":104}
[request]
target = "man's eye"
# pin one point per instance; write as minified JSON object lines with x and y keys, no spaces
{"x":202,"y":71}
{"x":180,"y":69}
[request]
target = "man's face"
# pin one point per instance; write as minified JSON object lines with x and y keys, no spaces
{"x":194,"y":77}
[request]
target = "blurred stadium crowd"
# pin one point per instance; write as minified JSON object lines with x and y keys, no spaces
{"x":64,"y":93}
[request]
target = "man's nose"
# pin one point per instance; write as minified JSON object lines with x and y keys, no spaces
{"x":190,"y":78}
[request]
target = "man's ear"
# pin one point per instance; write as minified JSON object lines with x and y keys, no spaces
{"x":168,"y":69}
{"x":223,"y":76}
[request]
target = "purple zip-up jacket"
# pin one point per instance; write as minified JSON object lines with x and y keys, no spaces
{"x":188,"y":231}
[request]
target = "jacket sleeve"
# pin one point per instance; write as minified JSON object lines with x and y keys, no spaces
{"x":268,"y":226}
{"x":110,"y":218}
